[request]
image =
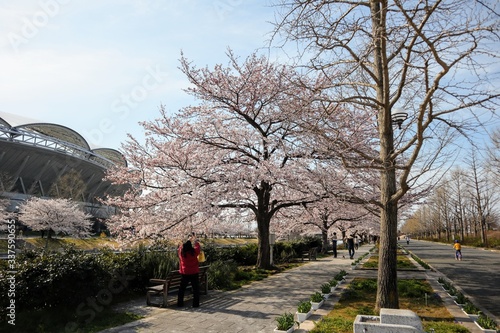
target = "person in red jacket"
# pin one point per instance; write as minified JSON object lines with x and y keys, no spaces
{"x":189,"y":269}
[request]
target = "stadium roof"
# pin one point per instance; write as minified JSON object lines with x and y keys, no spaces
{"x":61,"y":133}
{"x":57,"y":131}
{"x":35,"y":156}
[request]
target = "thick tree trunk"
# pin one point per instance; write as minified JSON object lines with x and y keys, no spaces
{"x":387,"y":291}
{"x":324,"y":237}
{"x":263,"y":217}
{"x":264,"y":251}
{"x":387,"y":287}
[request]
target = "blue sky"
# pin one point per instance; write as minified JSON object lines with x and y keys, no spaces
{"x":101,"y":66}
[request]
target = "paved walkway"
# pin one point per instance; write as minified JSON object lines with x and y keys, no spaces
{"x":253,"y":308}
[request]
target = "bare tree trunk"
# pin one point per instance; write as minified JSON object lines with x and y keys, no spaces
{"x":387,"y":291}
{"x":387,"y":288}
{"x":479,"y":201}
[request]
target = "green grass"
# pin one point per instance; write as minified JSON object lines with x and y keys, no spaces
{"x":402,"y":262}
{"x":359,"y":299}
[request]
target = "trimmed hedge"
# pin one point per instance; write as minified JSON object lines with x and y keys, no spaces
{"x":72,"y":276}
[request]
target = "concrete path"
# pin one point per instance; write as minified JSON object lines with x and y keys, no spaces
{"x":253,"y":308}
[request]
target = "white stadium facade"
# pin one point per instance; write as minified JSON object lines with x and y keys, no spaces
{"x":36,"y":159}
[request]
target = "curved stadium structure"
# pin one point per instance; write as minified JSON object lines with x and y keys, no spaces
{"x":43,"y":159}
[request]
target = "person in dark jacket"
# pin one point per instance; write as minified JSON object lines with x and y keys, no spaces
{"x":334,"y":244}
{"x":350,"y":245}
{"x":189,"y":269}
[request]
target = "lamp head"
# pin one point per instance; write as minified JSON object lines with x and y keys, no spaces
{"x":398,"y":116}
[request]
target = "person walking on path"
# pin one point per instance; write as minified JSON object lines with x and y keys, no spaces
{"x":350,"y":245}
{"x":189,"y":269}
{"x":334,"y":244}
{"x":458,"y":250}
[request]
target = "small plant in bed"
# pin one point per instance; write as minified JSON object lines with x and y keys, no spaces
{"x":284,"y":321}
{"x":316,"y":297}
{"x":304,"y":307}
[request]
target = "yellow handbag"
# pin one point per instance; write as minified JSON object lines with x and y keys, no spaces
{"x":201,"y":257}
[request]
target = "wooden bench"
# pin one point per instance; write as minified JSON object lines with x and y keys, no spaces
{"x":310,"y":254}
{"x":160,"y":287}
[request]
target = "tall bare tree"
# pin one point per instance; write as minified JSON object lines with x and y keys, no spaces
{"x":429,"y":57}
{"x":494,"y":157}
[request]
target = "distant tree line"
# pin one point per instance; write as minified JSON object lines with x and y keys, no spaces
{"x":465,"y":203}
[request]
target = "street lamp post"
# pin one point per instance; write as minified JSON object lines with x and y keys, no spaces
{"x":398,"y":116}
{"x":272,"y":241}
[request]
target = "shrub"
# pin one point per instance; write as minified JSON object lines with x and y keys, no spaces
{"x":486,"y":322}
{"x":221,"y":274}
{"x":333,"y":282}
{"x":243,"y":255}
{"x":461,"y":299}
{"x":325,"y":288}
{"x":470,"y":308}
{"x":316,"y":297}
{"x":284,"y":252}
{"x":304,"y":306}
{"x":366,"y":285}
{"x":414,"y":288}
{"x":340,"y":275}
{"x":45,"y":280}
{"x":285,"y":321}
{"x":453,"y":291}
{"x":446,"y":285}
{"x":246,"y":255}
{"x":156,"y":261}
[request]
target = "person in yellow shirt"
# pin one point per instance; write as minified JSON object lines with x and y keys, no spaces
{"x":458,"y":250}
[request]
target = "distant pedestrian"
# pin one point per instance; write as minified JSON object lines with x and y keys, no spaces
{"x":350,"y":245}
{"x":189,"y":269}
{"x":407,"y":240}
{"x":334,"y":244}
{"x":458,"y":250}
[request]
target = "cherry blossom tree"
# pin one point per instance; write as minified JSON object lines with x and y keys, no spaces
{"x":322,"y":217}
{"x":331,"y":216}
{"x":4,"y":213}
{"x":430,"y":58}
{"x":238,"y":149}
{"x":55,"y":216}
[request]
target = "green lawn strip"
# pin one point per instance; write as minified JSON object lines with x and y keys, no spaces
{"x":403,"y":262}
{"x":359,"y":299}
